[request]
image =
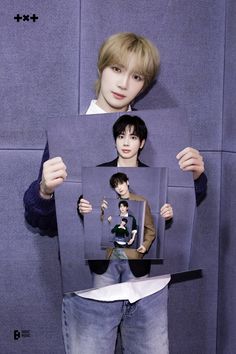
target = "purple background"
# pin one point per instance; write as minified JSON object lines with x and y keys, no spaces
{"x":47,"y":70}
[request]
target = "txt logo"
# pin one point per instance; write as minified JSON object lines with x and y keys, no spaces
{"x":25,"y":18}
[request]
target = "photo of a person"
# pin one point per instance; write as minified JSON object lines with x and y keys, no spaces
{"x":124,"y":213}
{"x":120,"y":183}
{"x":111,"y":215}
{"x":121,"y":232}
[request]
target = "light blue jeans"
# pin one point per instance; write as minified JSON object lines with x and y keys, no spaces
{"x":118,"y":271}
{"x":90,"y":327}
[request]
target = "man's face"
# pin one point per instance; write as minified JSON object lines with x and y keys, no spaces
{"x":128,"y":144}
{"x":119,"y":86}
{"x":122,"y":189}
{"x":123,"y":209}
{"x":123,"y":223}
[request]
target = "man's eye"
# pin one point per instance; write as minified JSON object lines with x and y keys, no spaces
{"x":116,"y":69}
{"x":134,"y":137}
{"x":121,"y":136}
{"x":138,"y":77}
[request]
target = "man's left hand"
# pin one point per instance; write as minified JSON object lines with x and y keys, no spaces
{"x":190,"y":159}
{"x":141,"y":249}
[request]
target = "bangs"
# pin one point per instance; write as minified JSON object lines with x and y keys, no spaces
{"x":122,"y":55}
{"x":118,"y":178}
{"x":132,"y":129}
{"x":118,"y":181}
{"x":134,"y":124}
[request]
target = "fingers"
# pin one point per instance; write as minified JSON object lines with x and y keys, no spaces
{"x":141,"y":249}
{"x":166,"y":211}
{"x":185,"y":151}
{"x":84,"y":206}
{"x":191,"y":160}
{"x":104,"y":204}
{"x":189,"y":154}
{"x":53,"y":174}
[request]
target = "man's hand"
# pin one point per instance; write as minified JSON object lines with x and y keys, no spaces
{"x":191,"y":160}
{"x":53,"y":174}
{"x":84,"y":206}
{"x":141,"y":249}
{"x":130,"y":241}
{"x":167,"y":211}
{"x":134,"y":232}
{"x":104,"y":205}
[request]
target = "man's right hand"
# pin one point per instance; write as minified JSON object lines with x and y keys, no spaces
{"x":53,"y":174}
{"x":84,"y":206}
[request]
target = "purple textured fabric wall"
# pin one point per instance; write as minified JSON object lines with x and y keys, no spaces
{"x":48,"y":69}
{"x":227,"y":275}
{"x":39,"y":78}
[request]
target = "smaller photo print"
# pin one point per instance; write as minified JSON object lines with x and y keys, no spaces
{"x":124,"y":221}
{"x":122,"y":227}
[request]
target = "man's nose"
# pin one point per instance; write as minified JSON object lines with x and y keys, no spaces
{"x":126,"y":141}
{"x":123,"y":81}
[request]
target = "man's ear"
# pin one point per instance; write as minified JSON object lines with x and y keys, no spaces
{"x":142,"y":143}
{"x":128,"y":183}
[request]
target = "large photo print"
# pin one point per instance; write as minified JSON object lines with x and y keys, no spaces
{"x":123,"y":221}
{"x":101,"y":141}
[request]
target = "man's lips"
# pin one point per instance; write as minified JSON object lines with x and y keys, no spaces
{"x":118,"y":96}
{"x":125,"y":151}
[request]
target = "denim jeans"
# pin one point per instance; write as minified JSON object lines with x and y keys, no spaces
{"x":90,"y":327}
{"x":118,"y":271}
{"x":118,"y":253}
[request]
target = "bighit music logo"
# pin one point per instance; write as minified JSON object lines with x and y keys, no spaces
{"x":24,"y":333}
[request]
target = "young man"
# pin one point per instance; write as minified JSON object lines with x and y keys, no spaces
{"x":127,"y":65}
{"x":124,"y":213}
{"x":120,"y":183}
{"x":121,"y":232}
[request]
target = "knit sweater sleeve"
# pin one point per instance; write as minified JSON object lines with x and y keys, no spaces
{"x":40,"y":212}
{"x":200,"y":185}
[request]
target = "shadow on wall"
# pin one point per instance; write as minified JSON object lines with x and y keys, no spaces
{"x":157,"y":96}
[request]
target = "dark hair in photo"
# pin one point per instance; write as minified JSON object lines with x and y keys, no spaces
{"x":123,"y":202}
{"x":124,"y":220}
{"x":139,"y":126}
{"x":117,"y":178}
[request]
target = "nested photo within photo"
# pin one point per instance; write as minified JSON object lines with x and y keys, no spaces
{"x":124,"y":222}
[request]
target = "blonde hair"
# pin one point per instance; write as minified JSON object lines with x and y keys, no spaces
{"x":116,"y":50}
